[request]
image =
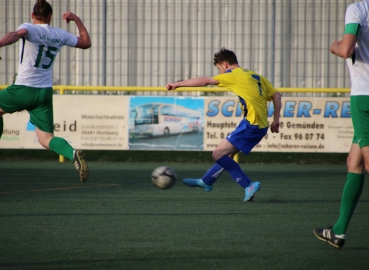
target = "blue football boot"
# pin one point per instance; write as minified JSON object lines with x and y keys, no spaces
{"x":250,"y":191}
{"x":192,"y":182}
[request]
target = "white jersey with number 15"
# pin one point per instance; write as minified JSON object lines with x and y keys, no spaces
{"x":37,"y":52}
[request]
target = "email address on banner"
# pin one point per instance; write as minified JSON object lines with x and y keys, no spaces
{"x":293,"y":146}
{"x":99,"y":144}
{"x":282,"y":146}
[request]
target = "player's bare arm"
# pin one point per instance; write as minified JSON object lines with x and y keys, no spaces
{"x":344,"y":48}
{"x":277,"y":110}
{"x":84,"y":40}
{"x":194,"y":82}
{"x":13,"y":37}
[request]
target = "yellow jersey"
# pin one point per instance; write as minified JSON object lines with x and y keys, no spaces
{"x":253,"y":90}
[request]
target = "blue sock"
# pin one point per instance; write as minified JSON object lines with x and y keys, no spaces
{"x":212,"y":174}
{"x":234,"y":170}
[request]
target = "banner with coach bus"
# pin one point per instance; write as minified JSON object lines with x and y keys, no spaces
{"x":87,"y":122}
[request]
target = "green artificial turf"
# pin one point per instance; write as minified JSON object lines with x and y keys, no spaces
{"x":120,"y":220}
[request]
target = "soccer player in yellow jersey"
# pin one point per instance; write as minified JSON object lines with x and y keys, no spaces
{"x":254,"y":91}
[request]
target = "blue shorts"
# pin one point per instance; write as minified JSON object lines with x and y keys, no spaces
{"x":246,"y":136}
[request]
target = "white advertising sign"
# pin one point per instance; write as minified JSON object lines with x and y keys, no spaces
{"x":94,"y":122}
{"x":307,"y":124}
{"x":86,"y":122}
{"x":18,"y":132}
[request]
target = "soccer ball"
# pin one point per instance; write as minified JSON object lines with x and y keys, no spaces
{"x":163,"y":177}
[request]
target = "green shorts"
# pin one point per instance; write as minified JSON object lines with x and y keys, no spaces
{"x":37,"y":101}
{"x":360,"y":119}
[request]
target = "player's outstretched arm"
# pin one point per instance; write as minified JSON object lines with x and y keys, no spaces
{"x":194,"y":82}
{"x":277,"y":102}
{"x":13,"y":37}
{"x":84,"y":40}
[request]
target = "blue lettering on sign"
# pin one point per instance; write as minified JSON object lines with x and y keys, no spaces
{"x":225,"y":108}
{"x":270,"y":109}
{"x":289,"y":108}
{"x":213,"y":109}
{"x":30,"y":127}
{"x":239,"y":110}
{"x":346,"y":110}
{"x":331,"y":109}
{"x":303,"y":109}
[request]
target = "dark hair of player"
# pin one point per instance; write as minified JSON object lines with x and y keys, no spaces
{"x":42,"y":10}
{"x":225,"y":55}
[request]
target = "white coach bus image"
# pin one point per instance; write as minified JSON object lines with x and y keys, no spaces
{"x":158,"y":119}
